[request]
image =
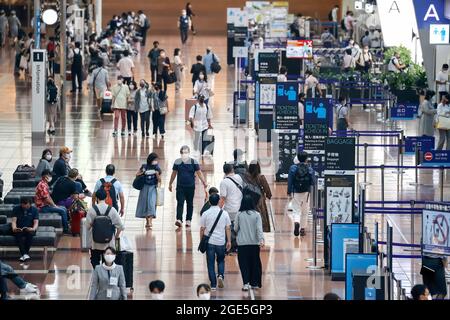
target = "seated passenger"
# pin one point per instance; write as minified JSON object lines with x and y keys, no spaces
{"x":44,"y":163}
{"x":25,"y":220}
{"x":66,"y":189}
{"x":6,"y":272}
{"x":44,"y":201}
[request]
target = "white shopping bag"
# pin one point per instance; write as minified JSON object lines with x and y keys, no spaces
{"x":125,"y":244}
{"x":107,"y":95}
{"x":159,"y":196}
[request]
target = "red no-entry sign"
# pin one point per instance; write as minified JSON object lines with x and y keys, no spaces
{"x":428,"y":156}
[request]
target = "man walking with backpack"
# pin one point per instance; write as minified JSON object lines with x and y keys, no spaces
{"x":113,"y":189}
{"x":102,"y":219}
{"x":52,"y":105}
{"x":77,"y":67}
{"x":301,"y":178}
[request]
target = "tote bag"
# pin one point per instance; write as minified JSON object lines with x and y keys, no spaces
{"x":443,"y":123}
{"x":160,"y":196}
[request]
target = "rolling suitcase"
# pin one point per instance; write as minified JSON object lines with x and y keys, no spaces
{"x":188,"y":103}
{"x":125,"y":259}
{"x":85,"y":236}
{"x":106,"y":103}
{"x":75,"y":221}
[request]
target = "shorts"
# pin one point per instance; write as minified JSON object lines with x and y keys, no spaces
{"x":99,"y":93}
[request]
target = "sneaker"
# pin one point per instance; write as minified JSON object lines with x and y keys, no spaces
{"x":28,"y":289}
{"x":115,"y":134}
{"x":302,"y":232}
{"x":129,"y":133}
{"x":26,"y":257}
{"x":143,"y":135}
{"x":122,"y":133}
{"x":220,"y":282}
{"x":147,"y":134}
{"x":188,"y":224}
{"x":178,"y":223}
{"x":246,"y":287}
{"x":162,"y":136}
{"x":53,"y":132}
{"x":296,"y":229}
{"x":213,"y":289}
{"x":22,"y":258}
{"x":255,"y":287}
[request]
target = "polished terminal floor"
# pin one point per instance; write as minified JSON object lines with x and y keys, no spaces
{"x":167,"y":254}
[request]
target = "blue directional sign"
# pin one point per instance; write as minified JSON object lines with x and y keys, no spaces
{"x":424,"y":143}
{"x":287,"y":93}
{"x":404,"y":112}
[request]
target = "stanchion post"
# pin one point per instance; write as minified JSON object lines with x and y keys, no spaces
{"x":365,"y":162}
{"x":441,"y":183}
{"x":314,"y":242}
{"x":412,"y":203}
{"x":382,"y":184}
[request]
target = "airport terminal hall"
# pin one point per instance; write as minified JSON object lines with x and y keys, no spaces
{"x":257,"y":154}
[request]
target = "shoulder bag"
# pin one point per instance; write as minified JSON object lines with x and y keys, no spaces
{"x":215,"y":66}
{"x":443,"y":123}
{"x":139,"y":182}
{"x":202,"y":246}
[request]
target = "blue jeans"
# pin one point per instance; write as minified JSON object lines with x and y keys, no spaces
{"x":6,"y":272}
{"x":62,"y":211}
{"x":211,"y":253}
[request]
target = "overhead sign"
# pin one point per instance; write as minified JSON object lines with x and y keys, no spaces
{"x":436,"y":229}
{"x":424,"y":143}
{"x":436,"y":158}
{"x":299,"y":49}
{"x":439,"y":34}
{"x":431,"y":12}
{"x":268,"y":63}
{"x":38,"y":89}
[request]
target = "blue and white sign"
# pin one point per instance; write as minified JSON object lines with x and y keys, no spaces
{"x":362,"y":262}
{"x":344,"y":239}
{"x":436,"y":158}
{"x":287,"y":93}
{"x":404,"y":112}
{"x":432,"y":12}
{"x":439,"y":33}
{"x":424,"y":143}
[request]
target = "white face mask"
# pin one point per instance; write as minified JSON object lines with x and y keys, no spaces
{"x":48,"y":157}
{"x":204,"y":296}
{"x":296,"y":160}
{"x":109,"y":258}
{"x":157,"y":296}
{"x":131,"y":87}
{"x":48,"y":178}
{"x":430,"y":297}
{"x":155,"y":163}
{"x":67,"y":156}
{"x":185,"y":156}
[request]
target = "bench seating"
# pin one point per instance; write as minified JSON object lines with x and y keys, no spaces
{"x":45,"y":219}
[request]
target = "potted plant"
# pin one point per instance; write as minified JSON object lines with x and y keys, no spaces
{"x":406,"y":84}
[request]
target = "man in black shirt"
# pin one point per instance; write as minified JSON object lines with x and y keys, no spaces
{"x":66,"y":190}
{"x":197,"y":68}
{"x":24,"y":225}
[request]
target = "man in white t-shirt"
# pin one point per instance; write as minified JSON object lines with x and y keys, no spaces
{"x":395,"y":65}
{"x":219,"y":241}
{"x":442,"y":81}
{"x":231,"y":196}
{"x":126,"y":67}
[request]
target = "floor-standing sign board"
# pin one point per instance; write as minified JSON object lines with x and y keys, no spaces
{"x":286,"y":125}
{"x":344,"y":240}
{"x":38,"y":89}
{"x":436,"y":229}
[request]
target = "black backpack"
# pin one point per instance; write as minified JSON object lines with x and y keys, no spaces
{"x":343,"y":25}
{"x":302,"y":179}
{"x":248,"y":189}
{"x":215,"y":66}
{"x":330,"y":16}
{"x":52,"y":94}
{"x":77,"y":59}
{"x":102,"y":226}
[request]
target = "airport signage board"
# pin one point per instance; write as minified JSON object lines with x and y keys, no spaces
{"x":344,"y":240}
{"x":340,"y":156}
{"x":424,"y":143}
{"x":436,"y":229}
{"x":404,"y":111}
{"x":436,"y":158}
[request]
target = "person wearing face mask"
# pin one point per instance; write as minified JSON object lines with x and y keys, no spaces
{"x":426,"y":115}
{"x":301,"y":107}
{"x":120,"y":96}
{"x":311,"y":87}
{"x":202,"y":87}
{"x":420,"y":292}
{"x":126,"y":67}
{"x":44,"y":202}
{"x":160,"y":107}
{"x":364,"y":60}
{"x":51,"y":105}
{"x":142,"y":104}
{"x":146,"y":206}
{"x":163,"y":69}
{"x":204,"y":291}
{"x":156,"y":288}
{"x":108,"y":279}
{"x":132,"y":115}
{"x":200,"y":117}
{"x":342,"y":117}
{"x":179,"y":66}
{"x":443,"y":122}
{"x":185,"y":169}
{"x":184,"y":23}
{"x":44,"y":163}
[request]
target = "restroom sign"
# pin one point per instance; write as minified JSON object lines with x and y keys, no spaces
{"x":439,"y":34}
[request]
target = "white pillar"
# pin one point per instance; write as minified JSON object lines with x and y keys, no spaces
{"x":98,"y":17}
{"x":38,"y":87}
